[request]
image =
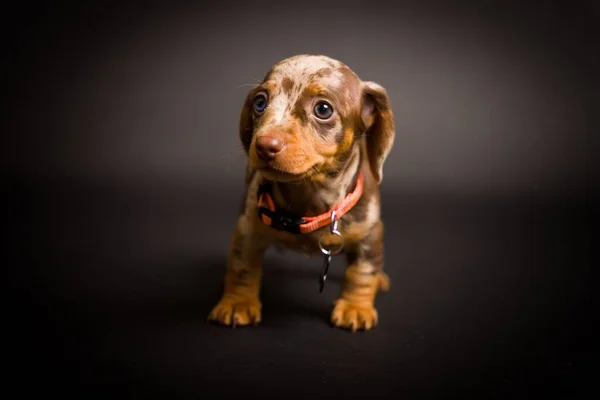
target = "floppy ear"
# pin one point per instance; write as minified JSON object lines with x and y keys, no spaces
{"x":378,"y":120}
{"x":246,"y":123}
{"x":246,"y":130}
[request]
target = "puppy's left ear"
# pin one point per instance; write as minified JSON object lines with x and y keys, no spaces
{"x":378,"y":119}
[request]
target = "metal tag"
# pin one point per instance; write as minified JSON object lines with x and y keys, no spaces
{"x":328,"y":253}
{"x":323,"y":276}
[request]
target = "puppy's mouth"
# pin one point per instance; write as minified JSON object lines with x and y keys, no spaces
{"x":282,"y":168}
{"x":278,"y":175}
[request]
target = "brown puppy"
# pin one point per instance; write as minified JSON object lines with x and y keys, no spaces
{"x":316,"y":138}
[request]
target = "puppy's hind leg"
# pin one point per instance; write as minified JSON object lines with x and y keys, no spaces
{"x":240,"y":303}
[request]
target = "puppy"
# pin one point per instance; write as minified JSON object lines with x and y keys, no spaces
{"x":316,"y":137}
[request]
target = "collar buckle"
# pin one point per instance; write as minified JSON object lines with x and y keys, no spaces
{"x":282,"y":220}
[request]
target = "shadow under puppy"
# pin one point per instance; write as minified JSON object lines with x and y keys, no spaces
{"x":316,"y":136}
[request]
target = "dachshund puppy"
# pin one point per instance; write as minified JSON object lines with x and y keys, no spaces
{"x":316,"y":137}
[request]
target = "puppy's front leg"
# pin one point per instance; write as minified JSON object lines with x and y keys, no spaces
{"x":240,"y":303}
{"x":363,"y":278}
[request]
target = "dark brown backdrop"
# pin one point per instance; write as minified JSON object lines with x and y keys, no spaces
{"x":120,"y":136}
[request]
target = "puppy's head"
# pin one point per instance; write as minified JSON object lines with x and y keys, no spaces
{"x":304,"y":119}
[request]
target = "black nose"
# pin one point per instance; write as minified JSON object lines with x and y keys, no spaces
{"x":267,"y":147}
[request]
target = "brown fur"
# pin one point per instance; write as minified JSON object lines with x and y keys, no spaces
{"x":317,"y":167}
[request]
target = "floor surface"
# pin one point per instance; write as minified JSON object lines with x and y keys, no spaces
{"x":490,"y":295}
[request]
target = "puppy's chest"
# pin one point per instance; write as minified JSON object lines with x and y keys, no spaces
{"x":353,"y":226}
{"x":300,"y":245}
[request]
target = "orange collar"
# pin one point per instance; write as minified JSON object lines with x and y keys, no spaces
{"x":282,"y":219}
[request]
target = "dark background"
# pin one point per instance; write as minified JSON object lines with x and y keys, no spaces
{"x":121,"y":157}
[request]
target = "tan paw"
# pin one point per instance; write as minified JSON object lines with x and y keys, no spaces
{"x":353,"y":316}
{"x":236,"y":312}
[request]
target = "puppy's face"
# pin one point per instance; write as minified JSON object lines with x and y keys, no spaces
{"x":303,"y":120}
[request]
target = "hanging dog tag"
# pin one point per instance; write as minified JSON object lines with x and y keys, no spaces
{"x":328,"y":253}
{"x":323,"y":276}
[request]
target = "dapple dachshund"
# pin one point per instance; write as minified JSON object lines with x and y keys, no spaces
{"x":316,"y":137}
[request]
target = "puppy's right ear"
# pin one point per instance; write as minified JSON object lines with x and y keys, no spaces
{"x":246,"y":124}
{"x":246,"y":130}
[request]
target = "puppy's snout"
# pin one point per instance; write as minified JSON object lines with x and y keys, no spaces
{"x":267,"y":147}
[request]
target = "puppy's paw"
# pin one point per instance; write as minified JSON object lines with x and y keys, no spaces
{"x":353,"y":316}
{"x":236,"y":312}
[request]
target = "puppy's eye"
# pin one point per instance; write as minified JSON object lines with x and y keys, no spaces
{"x":260,"y":103}
{"x":323,"y":110}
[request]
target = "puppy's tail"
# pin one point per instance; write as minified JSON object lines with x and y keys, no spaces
{"x":383,"y":281}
